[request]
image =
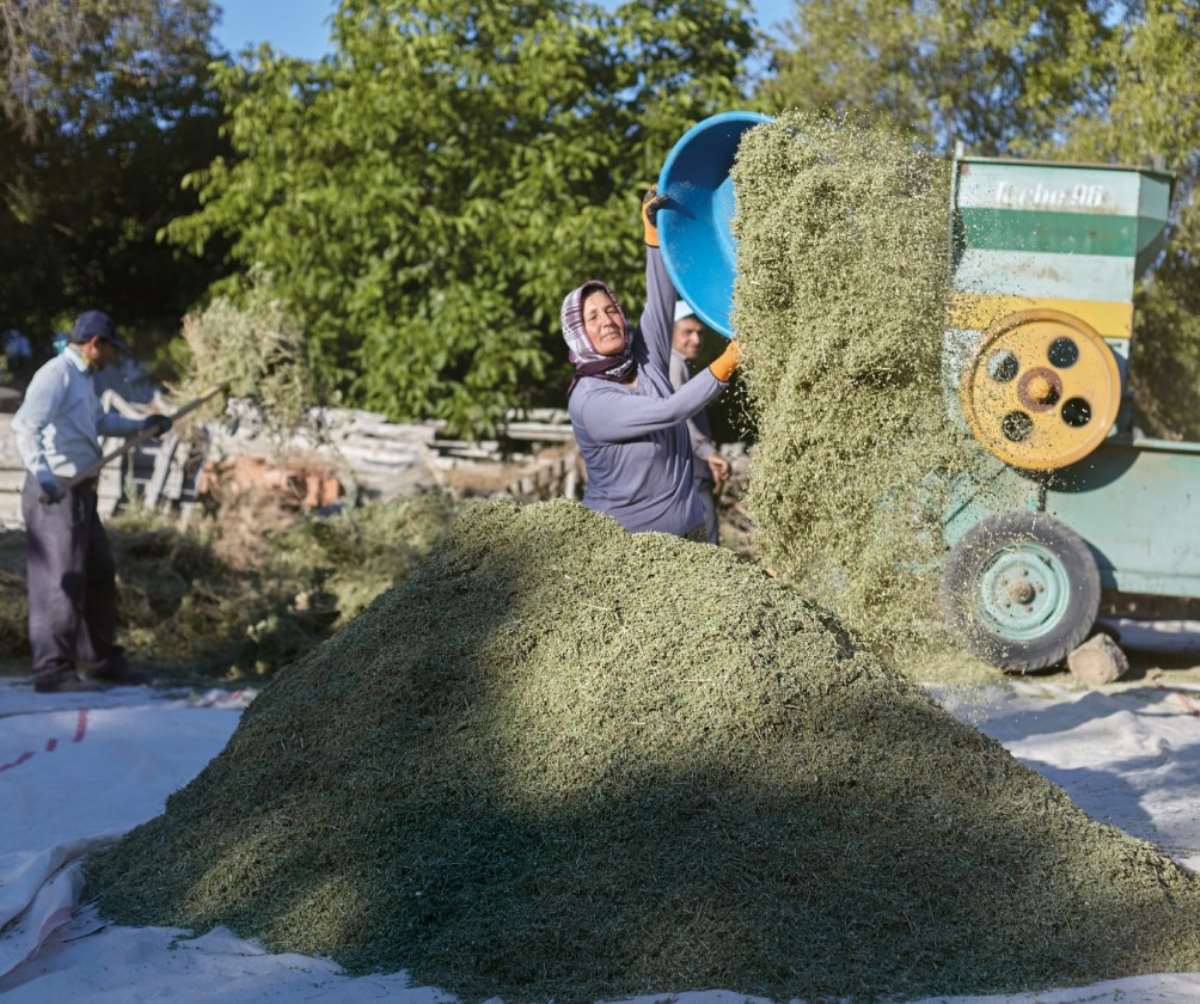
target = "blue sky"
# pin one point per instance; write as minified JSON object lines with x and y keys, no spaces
{"x":299,"y":28}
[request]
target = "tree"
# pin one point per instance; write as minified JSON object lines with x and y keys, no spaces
{"x":106,"y":105}
{"x":53,"y":54}
{"x":1152,"y":116}
{"x":1000,"y":75}
{"x":425,"y":197}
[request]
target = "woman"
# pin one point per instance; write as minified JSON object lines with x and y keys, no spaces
{"x":628,"y":420}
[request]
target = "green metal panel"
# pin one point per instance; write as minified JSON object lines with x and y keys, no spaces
{"x":1137,"y":504}
{"x":1059,"y":233}
{"x":1154,"y":209}
{"x":997,"y":488}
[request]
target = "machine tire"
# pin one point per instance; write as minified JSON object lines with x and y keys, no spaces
{"x":1004,"y":558}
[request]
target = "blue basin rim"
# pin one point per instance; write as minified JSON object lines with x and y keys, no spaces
{"x":695,"y":226}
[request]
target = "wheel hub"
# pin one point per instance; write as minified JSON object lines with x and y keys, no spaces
{"x":1023,"y":591}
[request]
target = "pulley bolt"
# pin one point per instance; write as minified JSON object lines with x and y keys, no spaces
{"x":1041,"y":390}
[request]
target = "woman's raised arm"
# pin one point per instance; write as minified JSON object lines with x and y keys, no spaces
{"x":658,"y":317}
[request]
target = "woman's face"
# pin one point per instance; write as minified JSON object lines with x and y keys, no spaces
{"x":603,"y":323}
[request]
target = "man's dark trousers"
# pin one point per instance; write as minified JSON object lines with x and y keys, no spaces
{"x":71,"y":580}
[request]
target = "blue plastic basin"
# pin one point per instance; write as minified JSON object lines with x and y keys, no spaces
{"x":695,"y":227}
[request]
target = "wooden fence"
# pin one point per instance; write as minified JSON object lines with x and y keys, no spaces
{"x":532,"y":456}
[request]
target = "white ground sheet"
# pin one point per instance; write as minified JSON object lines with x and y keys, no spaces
{"x":76,"y":770}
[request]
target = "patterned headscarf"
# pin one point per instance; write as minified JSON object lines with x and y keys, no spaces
{"x":586,"y":360}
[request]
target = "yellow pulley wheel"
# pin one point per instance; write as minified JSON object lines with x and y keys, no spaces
{"x":1042,"y":390}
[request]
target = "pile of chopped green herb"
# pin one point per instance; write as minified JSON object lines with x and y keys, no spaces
{"x":840,"y":306}
{"x":14,"y":616}
{"x":256,"y":348}
{"x":561,"y":762}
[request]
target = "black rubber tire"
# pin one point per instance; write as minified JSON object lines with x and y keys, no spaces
{"x":971,"y":557}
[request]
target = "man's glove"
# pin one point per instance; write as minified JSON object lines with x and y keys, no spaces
{"x":652,"y":202}
{"x":160,"y":425}
{"x":52,"y":491}
{"x":723,"y":366}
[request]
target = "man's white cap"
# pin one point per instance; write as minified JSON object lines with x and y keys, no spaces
{"x":682,"y":310}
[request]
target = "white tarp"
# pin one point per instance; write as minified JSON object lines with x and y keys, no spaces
{"x":77,"y":769}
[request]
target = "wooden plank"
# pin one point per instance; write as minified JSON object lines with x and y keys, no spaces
{"x":540,"y":434}
{"x":470,"y":453}
{"x":466,"y":444}
{"x":109,"y":490}
{"x":11,"y":479}
{"x":555,"y":415}
{"x":396,"y":457}
{"x":162,"y":467}
{"x":387,"y":432}
{"x":9,"y":455}
{"x":173,"y":486}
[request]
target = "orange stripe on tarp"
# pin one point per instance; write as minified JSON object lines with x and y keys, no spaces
{"x":81,"y":725}
{"x":27,"y":755}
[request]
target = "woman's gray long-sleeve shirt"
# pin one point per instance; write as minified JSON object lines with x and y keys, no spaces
{"x":633,"y":439}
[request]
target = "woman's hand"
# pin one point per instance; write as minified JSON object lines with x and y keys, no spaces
{"x":723,"y":366}
{"x":652,"y":202}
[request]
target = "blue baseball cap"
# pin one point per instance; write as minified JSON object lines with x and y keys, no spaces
{"x":96,"y":324}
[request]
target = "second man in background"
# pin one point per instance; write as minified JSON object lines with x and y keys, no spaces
{"x":709,"y":468}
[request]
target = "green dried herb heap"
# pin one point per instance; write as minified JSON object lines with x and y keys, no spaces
{"x":840,"y":306}
{"x":14,"y":616}
{"x":562,"y":762}
{"x":257,"y":349}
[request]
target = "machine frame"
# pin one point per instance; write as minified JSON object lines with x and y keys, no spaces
{"x":1133,"y":501}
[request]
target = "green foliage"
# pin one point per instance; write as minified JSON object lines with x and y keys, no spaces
{"x":1153,"y":115}
{"x":842,"y":260}
{"x":998,"y":74}
{"x":107,"y":105}
{"x":72,"y":62}
{"x":425,"y":197}
{"x":254,"y":348}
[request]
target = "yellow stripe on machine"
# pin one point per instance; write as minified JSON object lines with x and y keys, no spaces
{"x":979,"y":311}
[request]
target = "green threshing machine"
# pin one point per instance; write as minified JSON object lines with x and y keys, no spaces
{"x":1045,"y":256}
{"x":1070,"y":497}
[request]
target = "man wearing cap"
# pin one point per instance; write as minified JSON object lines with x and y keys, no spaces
{"x":709,"y":468}
{"x":70,"y":575}
{"x":18,"y":354}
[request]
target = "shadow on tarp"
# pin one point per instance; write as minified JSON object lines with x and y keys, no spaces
{"x":1025,"y":722}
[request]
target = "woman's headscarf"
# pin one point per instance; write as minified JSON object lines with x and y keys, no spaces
{"x":586,"y":360}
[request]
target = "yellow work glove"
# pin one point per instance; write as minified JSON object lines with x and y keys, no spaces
{"x":651,"y":203}
{"x":723,"y":366}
